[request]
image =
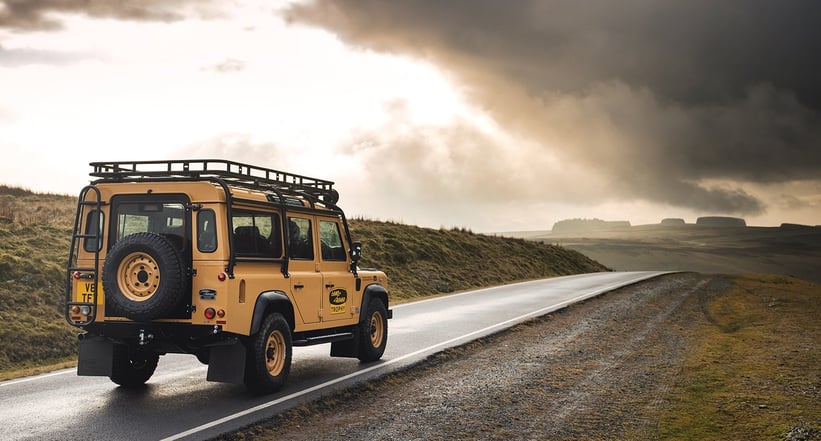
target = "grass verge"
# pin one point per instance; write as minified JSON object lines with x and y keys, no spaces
{"x":38,"y":368}
{"x":754,"y":367}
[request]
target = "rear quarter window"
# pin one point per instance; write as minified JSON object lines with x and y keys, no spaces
{"x":94,"y":221}
{"x":206,"y":231}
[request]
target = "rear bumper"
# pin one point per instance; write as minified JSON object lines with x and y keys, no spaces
{"x":183,"y":338}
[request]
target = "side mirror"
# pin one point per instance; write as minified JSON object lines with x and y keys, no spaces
{"x":356,"y":251}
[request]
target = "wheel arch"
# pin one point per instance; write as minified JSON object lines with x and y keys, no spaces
{"x":375,"y":291}
{"x":271,"y":301}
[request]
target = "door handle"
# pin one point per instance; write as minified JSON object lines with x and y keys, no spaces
{"x":329,"y":285}
{"x":299,"y":286}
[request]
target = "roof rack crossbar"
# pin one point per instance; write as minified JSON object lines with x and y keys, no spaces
{"x":231,"y":172}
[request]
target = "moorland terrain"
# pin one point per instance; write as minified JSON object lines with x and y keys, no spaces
{"x":790,"y":250}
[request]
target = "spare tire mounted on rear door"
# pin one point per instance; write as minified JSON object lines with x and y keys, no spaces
{"x":144,"y":276}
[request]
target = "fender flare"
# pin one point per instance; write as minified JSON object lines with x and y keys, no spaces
{"x":271,"y":300}
{"x":377,"y":291}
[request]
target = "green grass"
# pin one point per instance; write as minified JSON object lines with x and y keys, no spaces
{"x":35,"y":234}
{"x":754,"y":368}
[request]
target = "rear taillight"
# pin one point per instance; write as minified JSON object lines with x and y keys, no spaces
{"x":82,"y":310}
{"x":210,"y":313}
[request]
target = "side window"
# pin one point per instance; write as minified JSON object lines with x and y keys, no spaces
{"x":206,"y":231}
{"x":257,"y":234}
{"x":331,"y":241}
{"x":300,"y":240}
{"x":94,"y":220}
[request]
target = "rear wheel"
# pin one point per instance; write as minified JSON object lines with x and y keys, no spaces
{"x":373,"y":331}
{"x":133,"y":368}
{"x":269,"y":356}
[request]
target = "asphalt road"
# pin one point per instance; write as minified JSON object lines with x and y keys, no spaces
{"x":178,"y":403}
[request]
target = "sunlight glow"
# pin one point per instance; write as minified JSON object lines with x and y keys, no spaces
{"x":145,"y":90}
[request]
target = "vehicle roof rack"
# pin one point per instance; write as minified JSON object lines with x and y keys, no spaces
{"x":232,"y":173}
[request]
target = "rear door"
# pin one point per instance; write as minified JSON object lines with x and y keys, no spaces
{"x":167,"y":215}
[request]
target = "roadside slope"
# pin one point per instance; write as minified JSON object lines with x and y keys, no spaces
{"x":424,"y":261}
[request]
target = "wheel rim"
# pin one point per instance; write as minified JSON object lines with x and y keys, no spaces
{"x":275,"y":353}
{"x":138,"y":276}
{"x":138,"y":363}
{"x":377,"y":329}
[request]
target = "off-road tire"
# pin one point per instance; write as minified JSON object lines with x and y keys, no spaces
{"x":269,"y":356}
{"x":373,"y":331}
{"x":133,"y":368}
{"x":144,"y":277}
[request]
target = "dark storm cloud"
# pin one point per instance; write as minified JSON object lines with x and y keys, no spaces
{"x":37,"y":14}
{"x":677,"y":102}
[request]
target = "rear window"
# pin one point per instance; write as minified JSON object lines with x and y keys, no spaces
{"x":164,"y":218}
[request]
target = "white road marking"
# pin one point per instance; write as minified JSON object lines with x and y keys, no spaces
{"x":38,"y":377}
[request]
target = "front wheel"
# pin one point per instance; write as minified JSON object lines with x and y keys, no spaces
{"x":269,"y":356}
{"x":373,"y":331}
{"x":133,"y":368}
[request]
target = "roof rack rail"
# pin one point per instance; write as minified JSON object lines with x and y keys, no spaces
{"x":232,"y":173}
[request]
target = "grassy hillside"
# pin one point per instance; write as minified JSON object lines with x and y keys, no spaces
{"x":423,"y":261}
{"x":35,"y":234}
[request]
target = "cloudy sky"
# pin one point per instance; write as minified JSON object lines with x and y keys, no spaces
{"x":493,"y":115}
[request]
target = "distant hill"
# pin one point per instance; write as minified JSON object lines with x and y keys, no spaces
{"x":788,"y":226}
{"x":720,"y":221}
{"x":673,"y":222}
{"x":582,"y":225}
{"x":35,"y":233}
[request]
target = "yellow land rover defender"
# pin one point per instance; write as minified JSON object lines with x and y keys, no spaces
{"x":233,"y":263}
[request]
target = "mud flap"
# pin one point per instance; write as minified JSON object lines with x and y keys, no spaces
{"x":226,"y":363}
{"x":96,"y":357}
{"x":346,"y":348}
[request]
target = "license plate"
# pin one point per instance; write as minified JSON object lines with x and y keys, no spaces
{"x":84,"y":291}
